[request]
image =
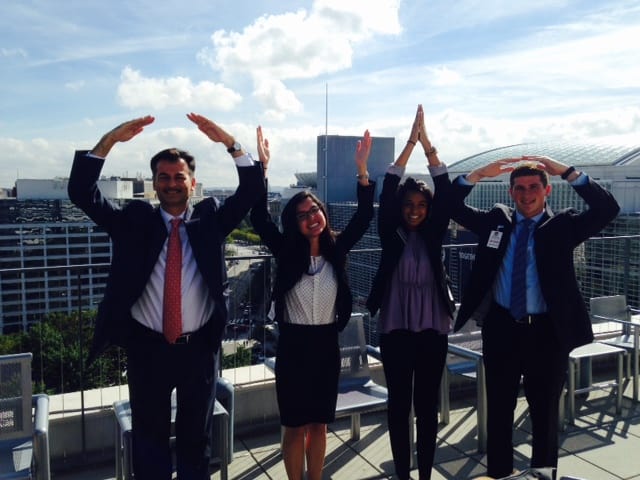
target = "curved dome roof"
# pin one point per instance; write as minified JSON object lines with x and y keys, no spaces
{"x":306,"y":179}
{"x":578,"y":154}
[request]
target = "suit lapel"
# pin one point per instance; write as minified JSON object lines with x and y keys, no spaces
{"x":156,"y":240}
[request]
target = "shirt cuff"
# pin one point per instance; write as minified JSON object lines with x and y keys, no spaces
{"x":91,"y":155}
{"x":436,"y":170}
{"x":462,"y":180}
{"x":395,"y":170}
{"x":581,"y":179}
{"x":245,"y":160}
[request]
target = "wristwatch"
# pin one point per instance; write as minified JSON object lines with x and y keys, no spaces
{"x":236,"y":147}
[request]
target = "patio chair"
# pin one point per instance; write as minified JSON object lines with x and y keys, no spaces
{"x":465,"y":359}
{"x":222,"y":431}
{"x":357,"y":392}
{"x":617,"y":324}
{"x":24,"y":422}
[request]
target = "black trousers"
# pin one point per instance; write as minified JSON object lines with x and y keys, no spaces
{"x":155,"y":368}
{"x":512,"y":350}
{"x":413,"y":364}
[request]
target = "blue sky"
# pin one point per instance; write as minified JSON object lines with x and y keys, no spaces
{"x":489,"y":73}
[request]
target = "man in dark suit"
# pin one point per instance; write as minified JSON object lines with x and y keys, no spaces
{"x":171,"y":326}
{"x":527,"y":299}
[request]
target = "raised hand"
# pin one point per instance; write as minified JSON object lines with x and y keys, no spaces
{"x":363,"y":149}
{"x":122,"y":133}
{"x":493,"y":169}
{"x":417,"y":127}
{"x":553,"y":167}
{"x":263,"y":149}
{"x":211,"y":129}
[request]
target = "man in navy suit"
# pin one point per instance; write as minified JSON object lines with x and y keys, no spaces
{"x":529,"y":332}
{"x":131,"y":313}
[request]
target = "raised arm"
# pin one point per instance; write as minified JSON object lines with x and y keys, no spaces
{"x":430,"y":151}
{"x":216,"y":133}
{"x":360,"y":220}
{"x":414,"y":137}
{"x":122,"y":133}
{"x":554,"y":167}
{"x":251,"y":184}
{"x":260,"y":216}
{"x":363,"y":149}
{"x":263,"y":150}
{"x":493,"y":169}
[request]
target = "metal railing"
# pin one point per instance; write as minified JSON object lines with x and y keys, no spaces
{"x":51,"y":310}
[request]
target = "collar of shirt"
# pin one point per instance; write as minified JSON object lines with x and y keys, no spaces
{"x":535,"y":218}
{"x":167,"y":217}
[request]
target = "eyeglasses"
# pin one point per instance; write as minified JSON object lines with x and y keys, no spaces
{"x":302,"y":216}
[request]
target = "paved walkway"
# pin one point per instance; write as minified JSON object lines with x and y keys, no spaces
{"x":599,"y":447}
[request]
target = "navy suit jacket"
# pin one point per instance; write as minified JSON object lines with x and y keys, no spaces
{"x":555,"y":238}
{"x":138,"y":233}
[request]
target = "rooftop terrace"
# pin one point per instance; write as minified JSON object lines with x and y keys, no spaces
{"x":600,"y":446}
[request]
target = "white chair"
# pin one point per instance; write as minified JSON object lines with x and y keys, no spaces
{"x":588,"y":352}
{"x":24,"y":422}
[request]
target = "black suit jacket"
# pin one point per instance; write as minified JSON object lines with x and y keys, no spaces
{"x":290,"y":269}
{"x":555,"y":238}
{"x":393,"y":239}
{"x":138,"y":233}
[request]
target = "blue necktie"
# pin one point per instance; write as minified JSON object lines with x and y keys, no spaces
{"x":519,"y":273}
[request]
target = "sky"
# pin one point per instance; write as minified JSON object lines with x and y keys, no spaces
{"x":488,"y":73}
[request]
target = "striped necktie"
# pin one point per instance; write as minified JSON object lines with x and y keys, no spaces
{"x":519,"y":272}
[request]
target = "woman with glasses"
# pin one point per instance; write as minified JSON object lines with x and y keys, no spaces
{"x":416,"y":306}
{"x":312,"y":303}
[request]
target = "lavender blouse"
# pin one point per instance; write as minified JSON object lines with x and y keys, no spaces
{"x":411,"y":302}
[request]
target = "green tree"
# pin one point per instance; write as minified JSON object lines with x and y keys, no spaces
{"x":60,"y":345}
{"x":241,"y":358}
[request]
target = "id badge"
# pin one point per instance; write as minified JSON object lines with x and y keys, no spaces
{"x":494,"y":239}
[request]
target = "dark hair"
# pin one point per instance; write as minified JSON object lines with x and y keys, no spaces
{"x":413,"y":185}
{"x":295,"y":242}
{"x":526,"y":170}
{"x":173,"y":155}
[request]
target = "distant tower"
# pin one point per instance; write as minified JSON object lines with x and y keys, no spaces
{"x":336,"y":170}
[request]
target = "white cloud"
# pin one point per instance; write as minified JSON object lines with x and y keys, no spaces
{"x":299,"y":45}
{"x":276,"y":99}
{"x":136,"y":91}
{"x":445,"y":76}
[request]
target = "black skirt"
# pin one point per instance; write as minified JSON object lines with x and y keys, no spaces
{"x":307,"y":369}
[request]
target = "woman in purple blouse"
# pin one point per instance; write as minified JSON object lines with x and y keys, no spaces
{"x":416,"y":306}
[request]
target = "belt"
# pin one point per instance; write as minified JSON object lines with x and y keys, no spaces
{"x":183,"y":339}
{"x":528,"y":319}
{"x":531,"y":318}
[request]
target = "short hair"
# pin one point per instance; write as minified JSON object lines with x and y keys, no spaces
{"x":526,"y":170}
{"x":173,"y":155}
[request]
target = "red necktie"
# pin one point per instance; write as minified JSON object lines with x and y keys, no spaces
{"x":172,"y":300}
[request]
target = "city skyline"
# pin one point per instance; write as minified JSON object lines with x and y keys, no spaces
{"x":505,"y":73}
